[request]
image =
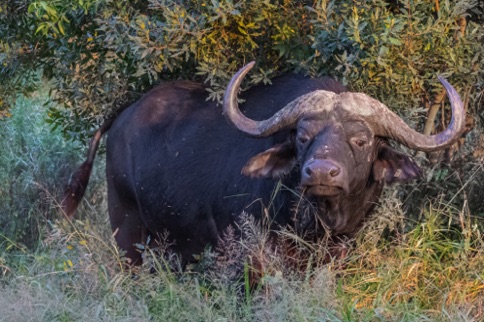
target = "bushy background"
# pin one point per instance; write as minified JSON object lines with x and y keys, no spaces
{"x":100,"y":53}
{"x":65,"y":65}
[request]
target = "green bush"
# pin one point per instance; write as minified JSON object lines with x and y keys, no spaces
{"x":34,"y":165}
{"x":101,"y":53}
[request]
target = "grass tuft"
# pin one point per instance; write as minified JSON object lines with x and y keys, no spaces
{"x":434,"y":267}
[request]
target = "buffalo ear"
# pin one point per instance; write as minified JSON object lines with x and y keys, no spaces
{"x":272,"y":163}
{"x":392,"y":165}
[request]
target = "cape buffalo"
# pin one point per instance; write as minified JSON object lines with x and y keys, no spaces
{"x":174,"y":164}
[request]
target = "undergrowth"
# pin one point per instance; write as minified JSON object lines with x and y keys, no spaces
{"x":428,"y":270}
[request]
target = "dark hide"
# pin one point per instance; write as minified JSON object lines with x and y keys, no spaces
{"x":174,"y":165}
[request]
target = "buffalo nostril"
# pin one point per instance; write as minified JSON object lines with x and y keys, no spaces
{"x":334,"y":172}
{"x":308,"y":171}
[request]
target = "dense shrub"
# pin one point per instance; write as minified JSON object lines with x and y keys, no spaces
{"x":35,"y":162}
{"x":101,"y":53}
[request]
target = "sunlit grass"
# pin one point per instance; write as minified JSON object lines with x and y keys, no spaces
{"x":431,"y":272}
{"x":433,"y":268}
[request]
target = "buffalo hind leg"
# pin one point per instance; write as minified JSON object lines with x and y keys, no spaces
{"x":128,"y":229}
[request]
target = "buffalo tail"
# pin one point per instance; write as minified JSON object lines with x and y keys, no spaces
{"x":76,"y":187}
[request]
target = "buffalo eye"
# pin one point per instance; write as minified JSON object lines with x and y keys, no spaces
{"x":359,"y":142}
{"x":302,"y":139}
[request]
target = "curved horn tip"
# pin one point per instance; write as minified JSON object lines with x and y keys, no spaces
{"x":244,"y":70}
{"x":442,"y":80}
{"x":451,"y":93}
{"x":249,"y":65}
{"x":445,"y":83}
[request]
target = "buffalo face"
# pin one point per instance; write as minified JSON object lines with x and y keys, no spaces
{"x":342,"y":168}
{"x":328,"y":151}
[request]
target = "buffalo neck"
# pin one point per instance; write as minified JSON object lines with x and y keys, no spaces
{"x":341,"y":215}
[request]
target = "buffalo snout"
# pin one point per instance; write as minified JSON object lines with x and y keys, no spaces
{"x":323,"y":177}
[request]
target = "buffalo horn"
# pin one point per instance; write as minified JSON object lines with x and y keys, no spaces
{"x":381,"y":119}
{"x":385,"y":123}
{"x":283,"y":119}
